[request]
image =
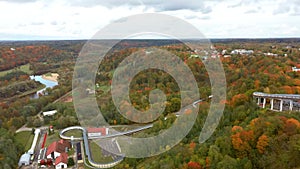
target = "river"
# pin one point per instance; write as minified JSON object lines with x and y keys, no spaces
{"x":47,"y":83}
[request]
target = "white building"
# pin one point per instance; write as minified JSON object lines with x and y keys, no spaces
{"x":49,"y":113}
{"x":24,"y":160}
{"x":55,"y":149}
{"x":295,"y":69}
{"x":61,"y":161}
{"x":242,"y":52}
{"x":270,"y":54}
{"x":224,"y":52}
{"x":35,"y":139}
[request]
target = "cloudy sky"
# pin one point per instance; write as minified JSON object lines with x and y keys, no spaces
{"x":81,"y":19}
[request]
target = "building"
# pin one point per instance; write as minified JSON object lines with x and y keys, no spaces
{"x":56,"y":148}
{"x":295,"y":69}
{"x":24,"y":160}
{"x":90,"y":91}
{"x":96,"y":132}
{"x":35,"y":139}
{"x":224,"y":52}
{"x":270,"y":54}
{"x":49,"y":113}
{"x":242,"y":52}
{"x":61,"y":161}
{"x":194,"y":56}
{"x":79,"y":154}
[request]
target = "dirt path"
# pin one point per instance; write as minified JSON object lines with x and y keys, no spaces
{"x":23,"y":128}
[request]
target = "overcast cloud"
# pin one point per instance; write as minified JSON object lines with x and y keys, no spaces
{"x":81,"y":19}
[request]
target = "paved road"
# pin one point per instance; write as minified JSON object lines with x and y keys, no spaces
{"x":24,"y":128}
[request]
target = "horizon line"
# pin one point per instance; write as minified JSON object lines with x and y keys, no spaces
{"x":241,"y":38}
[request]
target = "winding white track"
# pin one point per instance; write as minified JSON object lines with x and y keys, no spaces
{"x":85,"y":139}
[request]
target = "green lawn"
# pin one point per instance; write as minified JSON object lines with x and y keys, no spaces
{"x":24,"y":138}
{"x":24,"y":68}
{"x":105,"y":89}
{"x":52,"y":138}
{"x":75,"y":133}
{"x":97,"y":154}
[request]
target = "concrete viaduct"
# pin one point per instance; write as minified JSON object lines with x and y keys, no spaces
{"x":278,"y":102}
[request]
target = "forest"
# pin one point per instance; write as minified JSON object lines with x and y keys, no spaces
{"x":246,"y":137}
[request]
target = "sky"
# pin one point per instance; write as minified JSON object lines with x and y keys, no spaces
{"x":81,"y":19}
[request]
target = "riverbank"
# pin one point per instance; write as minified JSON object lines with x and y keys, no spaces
{"x":53,"y":77}
{"x":30,"y":92}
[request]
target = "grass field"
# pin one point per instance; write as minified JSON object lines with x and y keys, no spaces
{"x":75,"y":133}
{"x":25,"y":138}
{"x":105,"y":89}
{"x":24,"y":68}
{"x":97,"y":154}
{"x":52,"y":138}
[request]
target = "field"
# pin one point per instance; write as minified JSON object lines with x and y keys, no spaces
{"x":24,"y":138}
{"x":96,"y":153}
{"x":52,"y":138}
{"x":24,"y":68}
{"x":75,"y":133}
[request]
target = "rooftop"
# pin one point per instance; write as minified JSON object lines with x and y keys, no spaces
{"x":58,"y":146}
{"x":63,"y":158}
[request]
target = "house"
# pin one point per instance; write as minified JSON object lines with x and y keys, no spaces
{"x":49,"y":113}
{"x":55,"y":149}
{"x":61,"y":161}
{"x":242,"y":52}
{"x":270,"y":54}
{"x":194,"y":56}
{"x":96,"y":132}
{"x":24,"y":160}
{"x":90,"y":91}
{"x":295,"y":69}
{"x":224,"y":52}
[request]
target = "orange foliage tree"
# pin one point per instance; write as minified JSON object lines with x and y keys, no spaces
{"x":263,"y":141}
{"x":241,"y":140}
{"x":194,"y":165}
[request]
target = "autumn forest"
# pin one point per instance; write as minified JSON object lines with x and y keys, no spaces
{"x":247,"y":136}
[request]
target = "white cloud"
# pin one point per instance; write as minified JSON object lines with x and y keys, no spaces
{"x":81,"y":19}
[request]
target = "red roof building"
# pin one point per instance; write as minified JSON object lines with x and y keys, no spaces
{"x":63,"y":158}
{"x":61,"y":161}
{"x":93,"y":132}
{"x":56,"y":148}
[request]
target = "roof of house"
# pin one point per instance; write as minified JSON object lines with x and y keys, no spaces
{"x":49,"y":113}
{"x":58,"y":146}
{"x":103,"y":131}
{"x":63,"y":158}
{"x":24,"y":158}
